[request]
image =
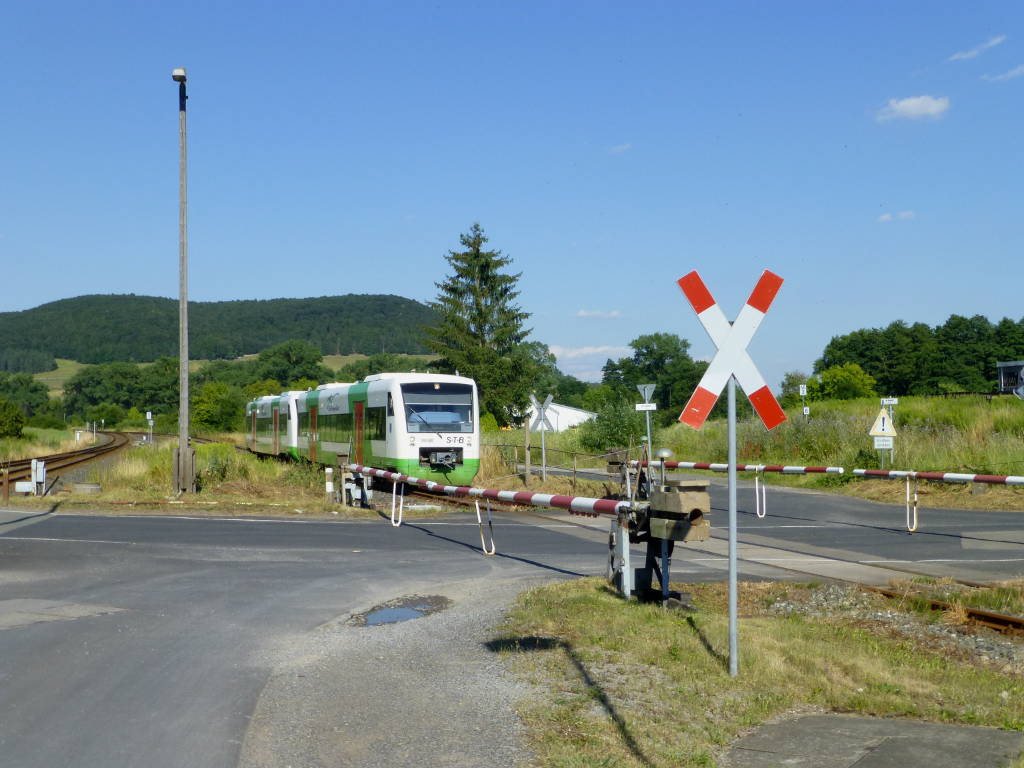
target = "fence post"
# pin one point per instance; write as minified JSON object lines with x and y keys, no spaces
{"x":7,"y":487}
{"x":574,"y":473}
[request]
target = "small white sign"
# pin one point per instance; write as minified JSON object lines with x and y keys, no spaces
{"x":803,"y":390}
{"x":150,"y":422}
{"x":646,"y":406}
{"x":807,"y":410}
{"x":885,"y":443}
{"x":149,"y":415}
{"x":890,"y":401}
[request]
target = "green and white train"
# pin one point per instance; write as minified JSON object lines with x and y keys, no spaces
{"x":419,"y":424}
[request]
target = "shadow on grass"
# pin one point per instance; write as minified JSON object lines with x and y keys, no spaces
{"x":537,"y":643}
{"x":717,"y":655}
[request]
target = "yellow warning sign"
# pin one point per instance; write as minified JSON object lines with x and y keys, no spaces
{"x":883,"y":426}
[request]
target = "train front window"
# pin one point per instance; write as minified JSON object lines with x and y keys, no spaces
{"x":438,"y":407}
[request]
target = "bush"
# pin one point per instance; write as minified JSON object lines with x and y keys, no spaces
{"x":12,"y":420}
{"x":617,"y":423}
{"x":108,"y":415}
{"x":45,"y":421}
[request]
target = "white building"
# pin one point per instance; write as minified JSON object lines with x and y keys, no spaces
{"x":562,"y":417}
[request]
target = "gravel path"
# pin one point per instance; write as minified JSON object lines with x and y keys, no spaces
{"x":420,"y":692}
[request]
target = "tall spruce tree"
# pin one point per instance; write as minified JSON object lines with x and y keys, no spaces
{"x":480,"y":329}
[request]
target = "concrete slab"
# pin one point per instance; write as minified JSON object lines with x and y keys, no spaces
{"x":845,"y":741}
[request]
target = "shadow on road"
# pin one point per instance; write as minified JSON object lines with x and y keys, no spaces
{"x":35,"y":516}
{"x":475,"y":548}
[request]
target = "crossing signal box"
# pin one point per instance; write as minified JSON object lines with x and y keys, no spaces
{"x":679,"y":511}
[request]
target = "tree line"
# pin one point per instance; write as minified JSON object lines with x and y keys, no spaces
{"x":476,"y":328}
{"x":958,"y":356}
{"x":106,"y":329}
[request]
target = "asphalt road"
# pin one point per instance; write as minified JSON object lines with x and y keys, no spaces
{"x":169,"y":641}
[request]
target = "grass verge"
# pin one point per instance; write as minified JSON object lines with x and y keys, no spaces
{"x":633,"y":685}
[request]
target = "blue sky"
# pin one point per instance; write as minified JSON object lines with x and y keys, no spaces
{"x":868,"y":153}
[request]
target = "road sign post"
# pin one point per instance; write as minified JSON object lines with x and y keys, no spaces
{"x":730,"y":364}
{"x":646,"y":391}
{"x":542,"y":423}
{"x":884,"y":432}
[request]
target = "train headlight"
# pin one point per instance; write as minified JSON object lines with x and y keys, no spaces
{"x":412,"y":440}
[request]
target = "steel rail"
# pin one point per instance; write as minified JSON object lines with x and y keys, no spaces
{"x":991,"y":619}
{"x":21,"y":469}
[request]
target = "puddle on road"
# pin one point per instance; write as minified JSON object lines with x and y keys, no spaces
{"x":401,"y":609}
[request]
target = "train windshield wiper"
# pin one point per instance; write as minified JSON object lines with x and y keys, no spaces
{"x":416,"y":413}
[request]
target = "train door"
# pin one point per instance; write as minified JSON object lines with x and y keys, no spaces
{"x":314,"y":437}
{"x":359,"y":432}
{"x":277,"y":432}
{"x":253,"y":443}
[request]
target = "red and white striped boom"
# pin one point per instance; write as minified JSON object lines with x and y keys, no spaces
{"x":577,"y":505}
{"x":945,"y":477}
{"x":720,"y":467}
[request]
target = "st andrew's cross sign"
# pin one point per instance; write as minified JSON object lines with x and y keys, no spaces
{"x":732,"y":358}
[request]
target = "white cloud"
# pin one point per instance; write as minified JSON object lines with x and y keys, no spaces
{"x":572,"y":352}
{"x":618,"y":149}
{"x":978,"y":50}
{"x":1015,"y":72}
{"x":598,"y":313}
{"x":887,"y":217}
{"x":914,"y":108}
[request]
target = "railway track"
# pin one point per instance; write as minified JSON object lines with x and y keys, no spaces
{"x":21,"y":469}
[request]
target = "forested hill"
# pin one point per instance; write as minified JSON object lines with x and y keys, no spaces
{"x":101,"y":329}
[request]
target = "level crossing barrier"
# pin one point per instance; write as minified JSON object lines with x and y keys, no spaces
{"x":626,"y":518}
{"x":911,"y":477}
{"x":760,"y":487}
{"x":576,"y":505}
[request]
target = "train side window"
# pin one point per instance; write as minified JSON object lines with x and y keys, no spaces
{"x":391,"y":406}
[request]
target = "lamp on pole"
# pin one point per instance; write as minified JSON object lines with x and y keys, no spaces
{"x":184,"y":464}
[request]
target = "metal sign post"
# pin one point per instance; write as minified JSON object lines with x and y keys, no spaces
{"x":884,"y":432}
{"x":542,"y":423}
{"x":646,"y":390}
{"x":732,"y":363}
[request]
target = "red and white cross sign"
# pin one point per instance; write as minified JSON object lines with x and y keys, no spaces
{"x":732,"y":358}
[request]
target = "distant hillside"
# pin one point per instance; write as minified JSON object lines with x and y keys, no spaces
{"x":103,"y":329}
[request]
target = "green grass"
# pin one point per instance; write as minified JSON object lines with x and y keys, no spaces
{"x":619,"y":684}
{"x":54,"y":380}
{"x":37,"y":442}
{"x":230,"y":482}
{"x":971,"y":434}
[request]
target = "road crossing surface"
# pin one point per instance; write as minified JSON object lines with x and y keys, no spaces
{"x":165,"y":641}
